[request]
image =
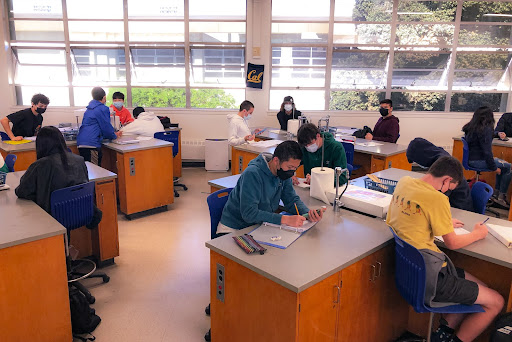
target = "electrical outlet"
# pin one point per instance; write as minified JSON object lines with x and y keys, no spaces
{"x":221,"y":276}
{"x":240,"y":164}
{"x":132,"y":166}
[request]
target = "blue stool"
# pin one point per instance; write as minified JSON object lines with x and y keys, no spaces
{"x":465,"y":160}
{"x":410,"y":278}
{"x":10,"y":160}
{"x":349,"y":152}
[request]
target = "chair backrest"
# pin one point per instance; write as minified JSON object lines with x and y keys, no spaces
{"x":410,"y":273}
{"x":171,"y":136}
{"x":216,"y":202}
{"x":480,"y":193}
{"x":4,"y":136}
{"x":349,"y":151}
{"x":73,"y":206}
{"x":10,"y":160}
{"x":465,"y":154}
{"x":350,"y":169}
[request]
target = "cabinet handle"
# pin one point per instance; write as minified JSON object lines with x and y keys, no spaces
{"x":101,"y":198}
{"x":338,"y":290}
{"x":380,"y":268}
{"x":374,"y":275}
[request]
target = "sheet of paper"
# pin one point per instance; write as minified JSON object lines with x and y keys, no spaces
{"x":13,"y":142}
{"x":275,"y":131}
{"x":502,"y":233}
{"x":285,"y":235}
{"x":30,"y":138}
{"x":458,"y":231}
{"x":141,"y":138}
{"x":267,"y":143}
{"x":369,"y":144}
{"x":302,"y":183}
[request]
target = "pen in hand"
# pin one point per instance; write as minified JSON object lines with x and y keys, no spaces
{"x":487,"y":219}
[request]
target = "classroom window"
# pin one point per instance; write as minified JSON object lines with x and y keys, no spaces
{"x":159,"y":49}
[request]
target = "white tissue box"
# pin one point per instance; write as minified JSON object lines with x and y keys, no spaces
{"x":367,"y":201}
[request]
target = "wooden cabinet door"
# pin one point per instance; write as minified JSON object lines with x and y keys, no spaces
{"x":318,"y":310}
{"x":358,"y":312}
{"x":106,"y":238}
{"x":378,"y":164}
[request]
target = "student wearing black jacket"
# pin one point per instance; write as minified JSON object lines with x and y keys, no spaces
{"x":504,"y":126}
{"x":479,"y":134}
{"x":287,"y":112}
{"x":425,"y":153}
{"x":55,"y":168}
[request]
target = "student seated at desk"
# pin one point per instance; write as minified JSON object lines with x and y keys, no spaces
{"x":425,"y":153}
{"x":418,"y":212}
{"x":26,"y":122}
{"x":287,"y":112}
{"x":504,"y":126}
{"x":259,"y":189}
{"x":118,"y":107}
{"x":3,"y":165}
{"x":145,"y":124}
{"x":239,"y":131}
{"x":95,"y":127}
{"x":479,"y":134}
{"x":311,"y":141}
{"x":55,"y":168}
{"x":387,"y":127}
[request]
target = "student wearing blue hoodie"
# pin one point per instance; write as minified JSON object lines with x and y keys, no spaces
{"x":265,"y":182}
{"x":95,"y":127}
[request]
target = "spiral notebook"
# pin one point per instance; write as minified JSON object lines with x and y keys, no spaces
{"x":280,"y":236}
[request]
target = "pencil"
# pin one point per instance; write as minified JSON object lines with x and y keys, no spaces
{"x":487,"y":219}
{"x":296,"y":208}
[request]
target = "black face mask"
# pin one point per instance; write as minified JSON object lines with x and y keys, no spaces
{"x":284,"y":175}
{"x":40,"y":110}
{"x":383,"y":111}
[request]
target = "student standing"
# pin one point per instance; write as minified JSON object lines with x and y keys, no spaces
{"x":239,"y":131}
{"x":55,"y":168}
{"x":118,"y":107}
{"x":479,"y":134}
{"x":430,"y":216}
{"x":287,"y":112}
{"x":387,"y":127}
{"x":311,"y":141}
{"x":95,"y":127}
{"x":26,"y":122}
{"x":259,"y":189}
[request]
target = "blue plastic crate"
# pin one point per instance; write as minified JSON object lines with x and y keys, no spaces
{"x":387,"y":185}
{"x":3,"y":175}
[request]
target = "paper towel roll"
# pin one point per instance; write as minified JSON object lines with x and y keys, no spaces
{"x":321,"y":182}
{"x":293,"y":126}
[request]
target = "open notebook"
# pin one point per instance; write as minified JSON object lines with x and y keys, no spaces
{"x":502,"y":233}
{"x":458,"y":231}
{"x":286,"y":235}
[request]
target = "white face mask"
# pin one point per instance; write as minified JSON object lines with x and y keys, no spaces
{"x":288,"y":107}
{"x":312,"y":148}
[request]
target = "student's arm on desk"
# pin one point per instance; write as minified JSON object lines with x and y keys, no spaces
{"x":107,"y":131}
{"x":250,"y":194}
{"x":454,"y":241}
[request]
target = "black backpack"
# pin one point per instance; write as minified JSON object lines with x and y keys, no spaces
{"x":503,"y":329}
{"x":165,"y":121}
{"x":83,"y":318}
{"x":361,"y":133}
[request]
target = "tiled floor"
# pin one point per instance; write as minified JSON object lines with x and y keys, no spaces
{"x":159,"y":285}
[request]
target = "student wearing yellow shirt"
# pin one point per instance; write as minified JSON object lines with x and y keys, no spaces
{"x":419,"y":211}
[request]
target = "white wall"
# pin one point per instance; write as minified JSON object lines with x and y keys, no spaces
{"x":198,"y":125}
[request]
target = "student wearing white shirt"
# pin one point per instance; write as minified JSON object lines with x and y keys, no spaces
{"x":145,"y":124}
{"x":239,"y":131}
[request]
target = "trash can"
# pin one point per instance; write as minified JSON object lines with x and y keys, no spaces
{"x":216,"y":155}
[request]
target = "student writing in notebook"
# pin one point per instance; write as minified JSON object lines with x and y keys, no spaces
{"x":266,"y":181}
{"x":429,"y":215}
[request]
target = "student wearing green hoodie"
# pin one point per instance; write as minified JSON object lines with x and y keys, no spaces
{"x":3,"y":165}
{"x":311,"y":140}
{"x":266,"y":181}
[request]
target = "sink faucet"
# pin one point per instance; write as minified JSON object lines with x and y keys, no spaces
{"x":337,"y":201}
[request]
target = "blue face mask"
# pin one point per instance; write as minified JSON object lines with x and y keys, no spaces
{"x":248,"y":117}
{"x":118,"y":104}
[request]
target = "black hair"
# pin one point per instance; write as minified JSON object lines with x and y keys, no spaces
{"x":98,"y":93}
{"x":307,"y":133}
{"x":137,"y":111}
{"x":40,"y":98}
{"x":287,"y":99}
{"x":50,"y":141}
{"x":118,"y":95}
{"x":247,"y":105}
{"x":288,"y":150}
{"x":388,"y":101}
{"x":447,"y":166}
{"x":482,"y":118}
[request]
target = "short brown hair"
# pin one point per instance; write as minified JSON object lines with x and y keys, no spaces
{"x":447,"y":166}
